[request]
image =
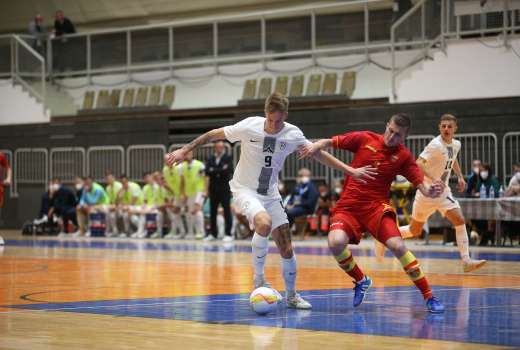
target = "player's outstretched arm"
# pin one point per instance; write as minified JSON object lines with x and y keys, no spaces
{"x":423,"y":165}
{"x":311,"y":149}
{"x":360,"y":174}
{"x":178,"y":155}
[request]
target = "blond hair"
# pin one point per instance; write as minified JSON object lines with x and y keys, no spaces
{"x":277,"y":102}
{"x":449,"y":117}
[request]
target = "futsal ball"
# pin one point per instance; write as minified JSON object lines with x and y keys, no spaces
{"x":264,"y":300}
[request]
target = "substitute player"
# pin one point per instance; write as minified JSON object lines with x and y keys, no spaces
{"x":4,"y":182}
{"x":174,"y":184}
{"x":365,"y":207}
{"x":194,"y":189}
{"x":265,"y":143}
{"x":437,"y":161}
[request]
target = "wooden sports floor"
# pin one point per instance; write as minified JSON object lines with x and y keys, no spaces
{"x":161,"y":294}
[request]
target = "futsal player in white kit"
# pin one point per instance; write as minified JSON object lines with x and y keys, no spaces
{"x":265,"y":143}
{"x":437,"y":161}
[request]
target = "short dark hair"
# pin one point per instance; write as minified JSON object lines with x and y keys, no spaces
{"x":449,"y":117}
{"x":123,"y":176}
{"x":401,"y":119}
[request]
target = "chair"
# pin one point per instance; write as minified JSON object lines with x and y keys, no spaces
{"x":281,"y":84}
{"x":249,"y":90}
{"x":115,"y":98}
{"x":348,"y":84}
{"x":329,"y":84}
{"x":168,"y":96}
{"x":103,"y":99}
{"x":264,"y":89}
{"x":88,"y":100}
{"x":128,"y":98}
{"x":296,"y":86}
{"x":142,"y":96}
{"x":155,"y":96}
{"x":314,"y":85}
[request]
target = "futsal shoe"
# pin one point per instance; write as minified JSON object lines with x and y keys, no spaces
{"x":434,"y":305}
{"x":156,"y":234}
{"x":209,"y":238}
{"x":472,"y":264}
{"x":228,"y":239}
{"x":360,"y":290}
{"x":2,"y":241}
{"x":295,"y":301}
{"x":379,"y":250}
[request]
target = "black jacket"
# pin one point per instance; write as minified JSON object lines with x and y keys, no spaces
{"x":64,"y":28}
{"x":219,"y":174}
{"x":62,"y":200}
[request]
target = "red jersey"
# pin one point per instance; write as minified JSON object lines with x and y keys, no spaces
{"x":369,"y":149}
{"x":4,"y":164}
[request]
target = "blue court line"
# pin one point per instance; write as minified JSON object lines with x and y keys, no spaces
{"x":480,"y":315}
{"x":219,"y":248}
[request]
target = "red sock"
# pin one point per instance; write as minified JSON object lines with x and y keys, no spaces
{"x":347,"y":264}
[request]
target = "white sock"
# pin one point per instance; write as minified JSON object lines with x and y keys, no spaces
{"x":126,"y":222}
{"x":112,"y":220}
{"x":160,"y":222}
{"x":199,"y":222}
{"x":260,"y":247}
{"x":405,"y":231}
{"x":190,"y":221}
{"x":462,"y":241}
{"x":141,"y":223}
{"x":289,"y":274}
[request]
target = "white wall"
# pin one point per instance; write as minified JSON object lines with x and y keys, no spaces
{"x":202,"y":87}
{"x":18,"y":107}
{"x":472,"y":68}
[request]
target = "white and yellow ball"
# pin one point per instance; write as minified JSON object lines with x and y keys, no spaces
{"x":264,"y":300}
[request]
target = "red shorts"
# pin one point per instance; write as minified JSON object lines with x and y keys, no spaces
{"x":354,"y":220}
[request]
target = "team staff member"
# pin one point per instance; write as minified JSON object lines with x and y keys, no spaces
{"x":219,"y":169}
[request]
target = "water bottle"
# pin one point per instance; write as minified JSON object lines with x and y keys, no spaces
{"x":482,"y":191}
{"x":492,"y":192}
{"x":501,"y":192}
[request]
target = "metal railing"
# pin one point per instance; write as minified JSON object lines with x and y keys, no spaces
{"x":483,"y":146}
{"x":433,"y":34}
{"x":66,"y":163}
{"x":212,"y":40}
{"x":31,"y":167}
{"x":141,"y":159}
{"x":101,"y":159}
{"x":28,"y":67}
{"x":510,"y":154}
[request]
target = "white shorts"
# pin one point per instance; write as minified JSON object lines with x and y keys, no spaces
{"x":424,"y":207}
{"x":198,"y":198}
{"x":250,"y":203}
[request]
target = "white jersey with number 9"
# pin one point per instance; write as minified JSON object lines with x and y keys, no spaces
{"x":262,"y":155}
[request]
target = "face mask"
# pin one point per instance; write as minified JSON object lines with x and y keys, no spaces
{"x":476,"y":169}
{"x":281,"y":187}
{"x":79,"y":187}
{"x":305,"y":179}
{"x":55,"y":187}
{"x":337,"y":190}
{"x":484,"y":175}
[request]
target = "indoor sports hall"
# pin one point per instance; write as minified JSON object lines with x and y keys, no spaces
{"x":164,"y":182}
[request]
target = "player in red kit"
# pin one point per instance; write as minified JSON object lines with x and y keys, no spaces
{"x":366,"y":207}
{"x":7,"y":182}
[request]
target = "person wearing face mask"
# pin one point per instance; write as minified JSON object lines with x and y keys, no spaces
{"x":513,"y":189}
{"x":63,"y":205}
{"x":489,"y":181}
{"x":303,"y":198}
{"x":472,"y":179}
